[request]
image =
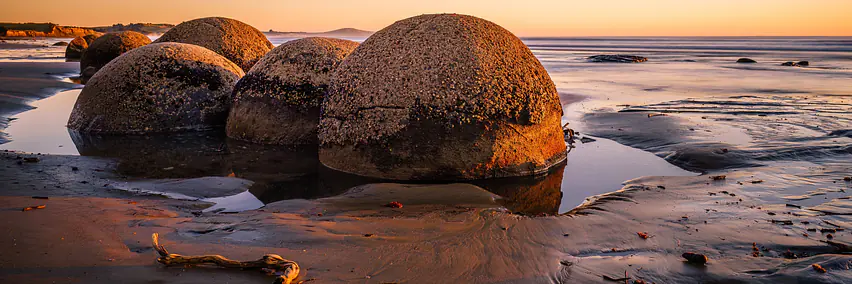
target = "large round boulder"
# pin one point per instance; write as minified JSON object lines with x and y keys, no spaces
{"x":278,"y":101}
{"x":78,"y":45}
{"x":106,"y":48}
{"x":163,"y":87}
{"x":441,"y":97}
{"x":235,"y":40}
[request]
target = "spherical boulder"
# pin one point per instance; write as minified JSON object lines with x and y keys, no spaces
{"x":78,"y":45}
{"x":278,"y":101}
{"x":107,"y":47}
{"x":235,"y":40}
{"x":163,"y":87}
{"x":441,"y":97}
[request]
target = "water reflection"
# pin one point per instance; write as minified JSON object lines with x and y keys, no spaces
{"x":278,"y":172}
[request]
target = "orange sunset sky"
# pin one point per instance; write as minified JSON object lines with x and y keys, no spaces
{"x":523,"y":17}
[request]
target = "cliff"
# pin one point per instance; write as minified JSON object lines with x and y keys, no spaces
{"x":41,"y":30}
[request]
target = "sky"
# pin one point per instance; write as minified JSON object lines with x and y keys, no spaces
{"x":522,"y":17}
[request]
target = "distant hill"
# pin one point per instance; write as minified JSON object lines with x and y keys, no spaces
{"x":345,"y":32}
{"x":41,"y":30}
{"x":143,"y":28}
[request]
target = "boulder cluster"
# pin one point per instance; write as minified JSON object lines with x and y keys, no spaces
{"x":432,"y":97}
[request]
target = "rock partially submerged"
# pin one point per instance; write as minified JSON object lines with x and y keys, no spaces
{"x":235,"y":40}
{"x":163,"y":87}
{"x":442,"y":97}
{"x":79,"y":45}
{"x":61,"y":43}
{"x":278,"y":101}
{"x":796,"y":64}
{"x":106,"y":48}
{"x":746,"y":60}
{"x":618,"y":58}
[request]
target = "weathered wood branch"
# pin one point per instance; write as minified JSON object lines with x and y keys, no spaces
{"x":288,"y":269}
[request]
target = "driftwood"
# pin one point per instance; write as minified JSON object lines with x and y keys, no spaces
{"x":288,"y":270}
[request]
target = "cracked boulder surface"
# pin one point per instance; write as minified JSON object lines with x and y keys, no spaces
{"x":441,"y":97}
{"x":106,"y":48}
{"x":278,"y":101}
{"x":79,"y":44}
{"x":161,"y":87}
{"x":235,"y":40}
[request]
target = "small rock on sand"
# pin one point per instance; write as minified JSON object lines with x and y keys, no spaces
{"x":695,"y":258}
{"x":746,"y":60}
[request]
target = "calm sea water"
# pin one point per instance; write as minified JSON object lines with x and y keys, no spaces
{"x":763,"y":114}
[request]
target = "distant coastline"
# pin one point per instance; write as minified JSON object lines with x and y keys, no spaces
{"x":345,"y":32}
{"x":11,"y":30}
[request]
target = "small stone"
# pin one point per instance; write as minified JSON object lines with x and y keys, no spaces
{"x":394,"y":205}
{"x":746,"y":60}
{"x":695,"y":258}
{"x":818,"y":268}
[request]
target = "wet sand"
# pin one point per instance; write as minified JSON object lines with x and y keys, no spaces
{"x":89,"y":233}
{"x":24,"y":82}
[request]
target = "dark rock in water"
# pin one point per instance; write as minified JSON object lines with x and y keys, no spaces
{"x":278,"y":101}
{"x":78,"y":45}
{"x":618,"y":58}
{"x":106,"y":48}
{"x":163,"y":87}
{"x":746,"y":60}
{"x":61,"y":43}
{"x":235,"y":40}
{"x":441,"y":97}
{"x":796,"y":64}
{"x":695,"y":258}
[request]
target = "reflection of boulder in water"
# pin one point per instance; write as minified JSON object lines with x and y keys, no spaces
{"x":185,"y":155}
{"x":287,"y":172}
{"x":530,"y":195}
